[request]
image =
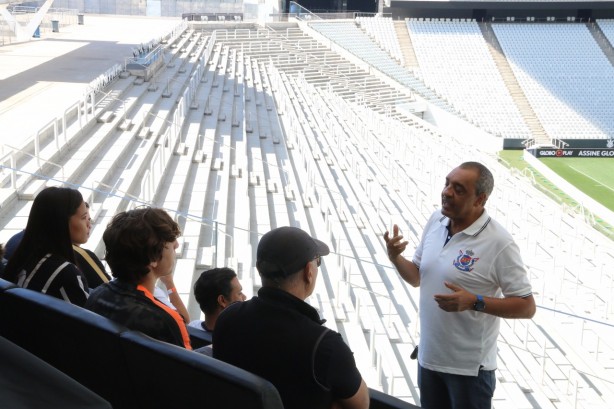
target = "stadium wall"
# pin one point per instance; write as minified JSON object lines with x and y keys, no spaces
{"x":512,"y":143}
{"x":572,"y":153}
{"x":171,"y":8}
{"x":157,"y":8}
{"x":500,"y":10}
{"x":461,"y":130}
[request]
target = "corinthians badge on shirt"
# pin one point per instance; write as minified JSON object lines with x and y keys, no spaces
{"x":465,"y":261}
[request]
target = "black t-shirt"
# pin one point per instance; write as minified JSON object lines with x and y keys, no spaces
{"x":335,"y":366}
{"x":281,"y":338}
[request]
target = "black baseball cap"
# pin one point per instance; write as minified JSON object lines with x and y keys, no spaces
{"x":285,"y":250}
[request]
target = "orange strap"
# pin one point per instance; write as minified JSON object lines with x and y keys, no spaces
{"x":172,"y":313}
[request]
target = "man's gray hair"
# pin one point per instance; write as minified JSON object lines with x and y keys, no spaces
{"x":486,"y":182}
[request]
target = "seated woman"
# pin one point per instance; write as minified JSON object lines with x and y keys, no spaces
{"x":140,"y":248}
{"x":44,"y":260}
{"x":87,"y":261}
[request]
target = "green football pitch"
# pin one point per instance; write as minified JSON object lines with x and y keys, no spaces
{"x":593,"y":176}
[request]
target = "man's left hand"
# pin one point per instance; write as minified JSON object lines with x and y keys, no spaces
{"x":459,"y":300}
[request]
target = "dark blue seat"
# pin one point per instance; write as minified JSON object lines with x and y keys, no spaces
{"x":128,"y":368}
{"x":160,"y":366}
{"x":29,"y":382}
{"x":199,"y":338}
{"x":78,"y":342}
{"x":5,"y":285}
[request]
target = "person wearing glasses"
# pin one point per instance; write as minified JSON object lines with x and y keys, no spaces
{"x":280,"y":337}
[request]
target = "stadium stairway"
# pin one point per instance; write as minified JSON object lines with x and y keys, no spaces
{"x":409,"y":57}
{"x":507,"y":75}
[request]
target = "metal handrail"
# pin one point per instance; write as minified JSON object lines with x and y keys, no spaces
{"x":38,"y":158}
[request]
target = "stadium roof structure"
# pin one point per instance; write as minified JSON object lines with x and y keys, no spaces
{"x":487,"y":10}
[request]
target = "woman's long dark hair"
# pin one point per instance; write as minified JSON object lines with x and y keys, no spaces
{"x":47,"y":230}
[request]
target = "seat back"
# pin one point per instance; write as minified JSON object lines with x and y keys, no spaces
{"x":28,"y":381}
{"x":5,"y":285}
{"x":199,"y":338}
{"x":118,"y":364}
{"x":157,"y":366}
{"x":78,"y":342}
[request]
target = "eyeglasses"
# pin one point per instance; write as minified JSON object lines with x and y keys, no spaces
{"x":318,"y":260}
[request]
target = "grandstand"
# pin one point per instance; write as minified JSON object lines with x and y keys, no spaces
{"x":341,"y":128}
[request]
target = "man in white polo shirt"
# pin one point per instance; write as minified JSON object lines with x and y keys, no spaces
{"x":470,"y":274}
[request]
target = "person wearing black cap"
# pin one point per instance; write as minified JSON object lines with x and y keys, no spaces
{"x":281,"y":338}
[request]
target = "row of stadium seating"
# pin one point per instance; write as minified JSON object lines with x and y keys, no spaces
{"x":117,"y":363}
{"x":455,"y":60}
{"x":126,"y":368}
{"x":460,"y":68}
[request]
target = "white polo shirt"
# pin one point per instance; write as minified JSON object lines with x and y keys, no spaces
{"x":482,"y":259}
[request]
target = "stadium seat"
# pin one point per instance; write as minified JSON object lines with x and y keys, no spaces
{"x":195,"y":378}
{"x":5,"y":285}
{"x":117,"y":363}
{"x":456,"y":61}
{"x":28,"y":381}
{"x":78,"y":342}
{"x":566,"y":92}
{"x":199,"y":338}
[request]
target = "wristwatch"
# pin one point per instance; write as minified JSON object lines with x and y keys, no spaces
{"x":479,"y":304}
